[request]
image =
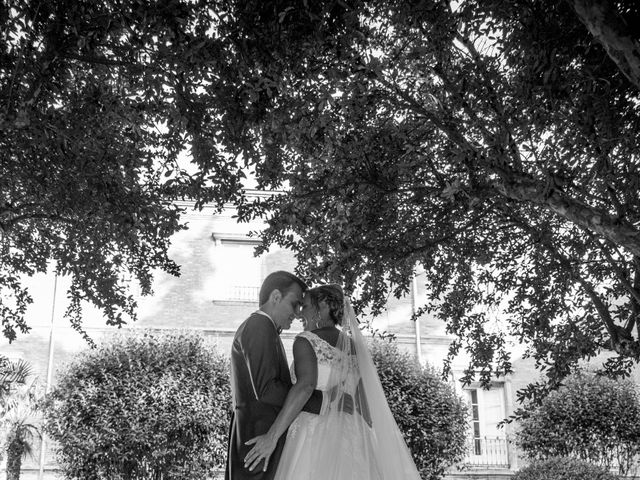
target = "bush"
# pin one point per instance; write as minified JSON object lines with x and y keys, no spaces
{"x":146,"y":406}
{"x":560,"y":468}
{"x":590,"y":418}
{"x":432,"y":417}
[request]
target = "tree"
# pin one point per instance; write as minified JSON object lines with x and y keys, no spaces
{"x":589,"y":418}
{"x":19,"y":429}
{"x":99,"y":101}
{"x":493,"y":145}
{"x":97,"y":105}
{"x":17,"y":410}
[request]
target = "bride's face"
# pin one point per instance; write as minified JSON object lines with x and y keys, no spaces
{"x":307,"y":313}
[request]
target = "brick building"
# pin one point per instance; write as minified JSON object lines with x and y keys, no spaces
{"x":217,"y":290}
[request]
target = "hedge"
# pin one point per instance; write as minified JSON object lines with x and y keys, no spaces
{"x":142,"y":406}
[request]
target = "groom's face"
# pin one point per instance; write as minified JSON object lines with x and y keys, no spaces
{"x":289,"y":307}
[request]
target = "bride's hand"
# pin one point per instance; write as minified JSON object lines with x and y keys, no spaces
{"x":263,"y":447}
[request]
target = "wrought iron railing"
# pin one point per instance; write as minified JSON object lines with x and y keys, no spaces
{"x":488,"y":452}
{"x":238,"y":293}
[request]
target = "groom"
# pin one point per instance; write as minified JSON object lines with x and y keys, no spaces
{"x":260,"y":378}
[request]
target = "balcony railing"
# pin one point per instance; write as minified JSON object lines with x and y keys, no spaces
{"x":238,"y":293}
{"x":490,"y":452}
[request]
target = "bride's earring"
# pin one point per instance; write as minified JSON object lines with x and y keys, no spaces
{"x":316,"y":320}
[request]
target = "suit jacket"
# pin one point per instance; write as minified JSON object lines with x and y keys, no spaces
{"x":260,"y":381}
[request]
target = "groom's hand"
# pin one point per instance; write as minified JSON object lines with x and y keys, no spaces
{"x":263,"y":447}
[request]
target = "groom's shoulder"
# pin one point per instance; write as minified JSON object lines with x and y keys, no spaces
{"x":255,"y":317}
{"x":256,"y":322}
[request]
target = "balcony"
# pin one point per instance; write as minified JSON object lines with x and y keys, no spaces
{"x":488,"y":452}
{"x":237,"y":293}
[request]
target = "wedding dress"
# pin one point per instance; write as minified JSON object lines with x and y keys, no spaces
{"x":364,"y":444}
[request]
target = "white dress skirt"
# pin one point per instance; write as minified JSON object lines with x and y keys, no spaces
{"x":328,"y":446}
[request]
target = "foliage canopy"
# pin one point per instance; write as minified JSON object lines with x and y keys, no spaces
{"x":493,"y":145}
{"x":99,"y":100}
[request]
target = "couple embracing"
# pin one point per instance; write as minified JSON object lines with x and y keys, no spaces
{"x":325,"y":419}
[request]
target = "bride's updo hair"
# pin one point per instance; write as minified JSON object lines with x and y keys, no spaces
{"x":332,"y":294}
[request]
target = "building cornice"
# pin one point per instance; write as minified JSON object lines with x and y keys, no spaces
{"x":250,"y":193}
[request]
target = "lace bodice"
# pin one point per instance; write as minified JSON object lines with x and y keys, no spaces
{"x":329,"y":358}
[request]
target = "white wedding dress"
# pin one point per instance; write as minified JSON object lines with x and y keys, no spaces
{"x":365,"y":444}
{"x":329,"y":446}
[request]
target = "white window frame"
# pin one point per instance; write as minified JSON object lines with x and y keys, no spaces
{"x":237,"y":293}
{"x":489,"y":448}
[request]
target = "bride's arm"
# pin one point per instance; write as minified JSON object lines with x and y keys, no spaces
{"x":307,"y":377}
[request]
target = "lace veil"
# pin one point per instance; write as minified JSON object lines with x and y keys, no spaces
{"x":367,"y":443}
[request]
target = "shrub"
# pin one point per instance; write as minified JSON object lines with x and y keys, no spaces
{"x":142,"y":406}
{"x":591,"y":418}
{"x":431,"y":416}
{"x":563,"y":468}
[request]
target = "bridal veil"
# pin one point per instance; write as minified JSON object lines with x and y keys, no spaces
{"x":366,"y":443}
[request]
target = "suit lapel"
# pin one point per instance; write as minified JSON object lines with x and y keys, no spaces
{"x":284,"y":365}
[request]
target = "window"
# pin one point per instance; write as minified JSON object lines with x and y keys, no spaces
{"x":475,"y":422}
{"x":488,"y":443}
{"x":237,"y":273}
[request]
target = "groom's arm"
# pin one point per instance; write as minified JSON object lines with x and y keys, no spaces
{"x":259,"y":341}
{"x":258,"y":346}
{"x":307,"y":375}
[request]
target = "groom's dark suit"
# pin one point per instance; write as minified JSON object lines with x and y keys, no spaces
{"x":260,"y":381}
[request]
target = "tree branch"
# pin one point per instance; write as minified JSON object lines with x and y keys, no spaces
{"x":623,"y":279}
{"x":98,"y":60}
{"x":521,"y":188}
{"x":601,"y":308}
{"x":495,"y":102}
{"x":635,"y":306}
{"x":436,"y":241}
{"x":609,"y":28}
{"x":36,"y":216}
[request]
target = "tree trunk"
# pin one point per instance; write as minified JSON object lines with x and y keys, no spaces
{"x":609,"y":28}
{"x":15,"y":451}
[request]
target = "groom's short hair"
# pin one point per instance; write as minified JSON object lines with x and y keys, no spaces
{"x":279,"y":280}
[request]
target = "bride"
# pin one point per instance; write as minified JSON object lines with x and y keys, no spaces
{"x":355,"y":436}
